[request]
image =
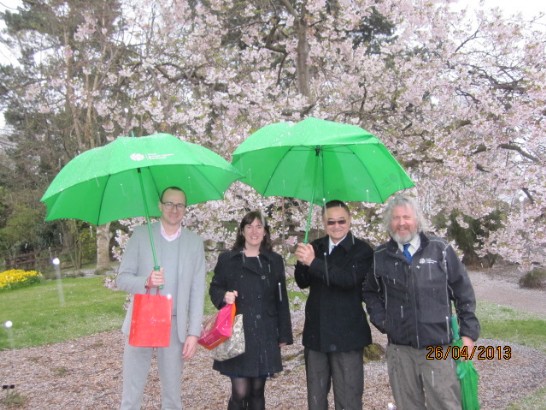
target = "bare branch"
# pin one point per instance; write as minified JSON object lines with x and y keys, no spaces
{"x":528,"y":194}
{"x":515,"y":147}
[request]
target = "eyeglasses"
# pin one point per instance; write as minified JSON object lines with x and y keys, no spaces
{"x":340,"y":222}
{"x":171,"y":205}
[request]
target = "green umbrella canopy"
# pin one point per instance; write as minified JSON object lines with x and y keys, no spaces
{"x":317,"y":161}
{"x":108,"y":183}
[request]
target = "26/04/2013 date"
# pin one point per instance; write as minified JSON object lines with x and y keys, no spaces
{"x":478,"y":352}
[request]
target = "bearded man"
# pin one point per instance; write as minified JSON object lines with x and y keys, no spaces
{"x":408,"y":295}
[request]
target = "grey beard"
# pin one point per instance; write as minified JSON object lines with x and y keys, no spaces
{"x":403,"y":239}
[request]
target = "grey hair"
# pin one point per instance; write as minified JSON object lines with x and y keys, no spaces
{"x":403,"y":200}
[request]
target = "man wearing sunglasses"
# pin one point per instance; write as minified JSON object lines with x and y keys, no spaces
{"x":336,"y":329}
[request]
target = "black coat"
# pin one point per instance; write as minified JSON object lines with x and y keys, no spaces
{"x":334,"y":316}
{"x":411,"y":302}
{"x":263,"y":301}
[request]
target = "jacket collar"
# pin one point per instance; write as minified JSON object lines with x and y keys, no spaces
{"x":346,"y":243}
{"x":238,"y":253}
{"x":392,"y":245}
{"x":264,"y":260}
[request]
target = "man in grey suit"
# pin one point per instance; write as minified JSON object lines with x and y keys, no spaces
{"x":181,"y":255}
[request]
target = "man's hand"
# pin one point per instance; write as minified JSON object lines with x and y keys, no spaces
{"x":305,"y":253}
{"x":190,"y":347}
{"x":468,"y":342}
{"x":156,"y":279}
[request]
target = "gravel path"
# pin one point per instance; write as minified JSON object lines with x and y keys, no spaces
{"x":86,"y":373}
{"x":501,"y":286}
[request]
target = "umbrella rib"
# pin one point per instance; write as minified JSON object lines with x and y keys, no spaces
{"x":198,"y":169}
{"x":102,"y":199}
{"x":372,"y":179}
{"x":277,"y":165}
{"x":155,"y":183}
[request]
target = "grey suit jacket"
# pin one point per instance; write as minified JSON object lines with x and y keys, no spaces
{"x":137,"y":264}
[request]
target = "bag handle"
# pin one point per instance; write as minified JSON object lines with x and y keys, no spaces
{"x":156,"y":290}
{"x":233,"y":311}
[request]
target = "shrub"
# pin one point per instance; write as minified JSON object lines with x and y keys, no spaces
{"x":373,"y":353}
{"x":18,"y":278}
{"x":534,"y":279}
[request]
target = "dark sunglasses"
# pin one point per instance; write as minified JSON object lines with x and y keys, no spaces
{"x":340,"y":222}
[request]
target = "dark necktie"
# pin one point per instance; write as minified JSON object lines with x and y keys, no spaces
{"x":407,"y":253}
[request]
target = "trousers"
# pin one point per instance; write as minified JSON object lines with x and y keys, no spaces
{"x":345,"y":370}
{"x":136,"y":366}
{"x":418,"y":383}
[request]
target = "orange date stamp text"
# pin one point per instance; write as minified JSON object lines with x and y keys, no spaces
{"x":476,"y":352}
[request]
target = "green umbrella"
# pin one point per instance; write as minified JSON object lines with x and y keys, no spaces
{"x":125,"y":178}
{"x":317,"y":161}
{"x":466,"y":372}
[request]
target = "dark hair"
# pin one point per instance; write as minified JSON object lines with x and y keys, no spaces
{"x":174,"y":188}
{"x":333,"y":203}
{"x":247,"y":220}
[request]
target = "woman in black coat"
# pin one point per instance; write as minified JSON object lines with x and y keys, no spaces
{"x":252,"y":276}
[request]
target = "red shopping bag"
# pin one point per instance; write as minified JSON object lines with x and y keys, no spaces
{"x":151,"y":320}
{"x":217,"y":329}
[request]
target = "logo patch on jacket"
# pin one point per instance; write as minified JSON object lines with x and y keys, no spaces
{"x":427,"y":261}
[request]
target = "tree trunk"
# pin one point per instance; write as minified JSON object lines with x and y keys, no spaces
{"x":303,"y":52}
{"x":103,"y":248}
{"x":72,"y":243}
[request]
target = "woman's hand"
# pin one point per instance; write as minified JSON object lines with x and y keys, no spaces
{"x":229,"y":297}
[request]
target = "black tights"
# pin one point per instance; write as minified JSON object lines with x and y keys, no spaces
{"x":247,"y":393}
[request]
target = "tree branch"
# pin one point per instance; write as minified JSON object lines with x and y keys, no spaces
{"x":528,"y":194}
{"x":515,"y":147}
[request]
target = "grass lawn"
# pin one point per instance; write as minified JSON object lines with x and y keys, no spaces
{"x":537,"y":401}
{"x":509,"y":325}
{"x":39,"y":317}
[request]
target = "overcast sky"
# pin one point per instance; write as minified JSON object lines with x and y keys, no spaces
{"x":528,"y":8}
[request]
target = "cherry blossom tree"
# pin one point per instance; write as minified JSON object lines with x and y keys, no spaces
{"x":457,"y":97}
